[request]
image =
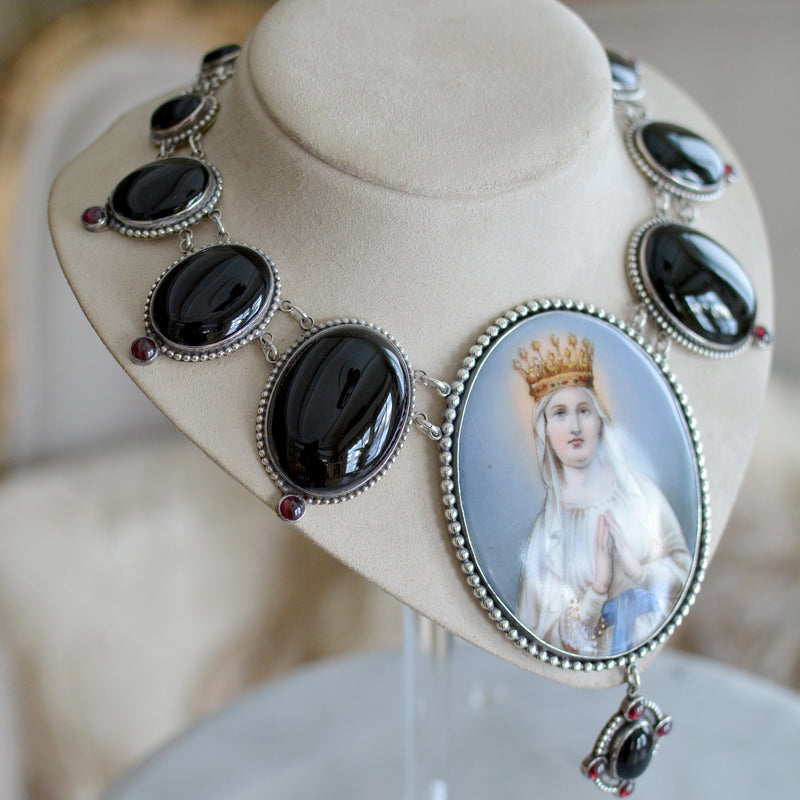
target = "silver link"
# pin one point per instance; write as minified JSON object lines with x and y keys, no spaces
{"x":297,"y":313}
{"x":197,"y":148}
{"x":687,"y":211}
{"x":662,"y":201}
{"x":440,"y":387}
{"x":268,"y":347}
{"x":662,"y":345}
{"x":187,"y":241}
{"x":633,"y":679}
{"x":639,"y":318}
{"x":420,"y":419}
{"x":634,"y":111}
{"x":222,"y":234}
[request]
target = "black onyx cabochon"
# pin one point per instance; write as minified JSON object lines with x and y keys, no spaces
{"x":160,"y":190}
{"x":220,"y":56}
{"x":683,"y":155}
{"x":635,"y":752}
{"x":339,"y":410}
{"x":212,"y":297}
{"x":624,"y":74}
{"x":699,"y":284}
{"x":174,"y":112}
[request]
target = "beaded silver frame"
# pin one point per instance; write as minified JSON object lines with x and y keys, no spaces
{"x":264,"y":444}
{"x":252,"y":331}
{"x":198,"y":122}
{"x":200,"y":208}
{"x":485,"y":593}
{"x":641,"y":284}
{"x":661,"y":177}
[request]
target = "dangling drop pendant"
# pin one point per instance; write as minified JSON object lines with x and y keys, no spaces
{"x":627,"y":743}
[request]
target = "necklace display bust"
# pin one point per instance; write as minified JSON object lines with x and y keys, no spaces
{"x":425,"y":167}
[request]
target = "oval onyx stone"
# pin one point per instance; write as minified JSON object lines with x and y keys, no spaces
{"x":699,"y":284}
{"x":219,"y":56}
{"x":635,"y":753}
{"x":212,"y":297}
{"x":624,"y":73}
{"x":339,"y":409}
{"x":160,"y":190}
{"x":683,"y":156}
{"x":177,"y":111}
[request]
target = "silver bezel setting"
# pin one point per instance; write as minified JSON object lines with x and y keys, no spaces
{"x":201,"y":119}
{"x":661,"y":177}
{"x":265,"y":451}
{"x":609,"y":743}
{"x":231,"y":344}
{"x":626,"y":94}
{"x":642,"y":285}
{"x":484,"y":593}
{"x":225,"y":60}
{"x":200,"y":208}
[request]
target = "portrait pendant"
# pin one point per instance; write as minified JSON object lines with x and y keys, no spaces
{"x":577,"y":502}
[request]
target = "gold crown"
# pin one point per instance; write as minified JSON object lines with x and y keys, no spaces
{"x":546,"y":372}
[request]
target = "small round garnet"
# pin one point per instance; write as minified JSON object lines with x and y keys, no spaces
{"x":94,"y":218}
{"x":664,"y":727}
{"x":635,"y":711}
{"x":143,"y":350}
{"x":731,"y":173}
{"x":291,"y":508}
{"x":596,"y":768}
{"x":761,"y":336}
{"x":626,"y":789}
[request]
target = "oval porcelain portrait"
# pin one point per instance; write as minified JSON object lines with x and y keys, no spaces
{"x":578,"y":485}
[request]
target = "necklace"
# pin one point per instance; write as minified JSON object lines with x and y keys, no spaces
{"x":595,"y":589}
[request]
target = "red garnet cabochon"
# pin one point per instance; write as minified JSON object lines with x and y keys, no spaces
{"x":291,"y":507}
{"x":143,"y":350}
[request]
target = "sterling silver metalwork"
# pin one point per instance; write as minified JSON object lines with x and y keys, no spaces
{"x":475,"y":568}
{"x":201,"y":207}
{"x":266,"y":451}
{"x":254,"y":330}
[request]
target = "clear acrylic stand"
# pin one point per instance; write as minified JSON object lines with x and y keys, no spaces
{"x":427,"y":674}
{"x":475,"y":727}
{"x":468,"y":727}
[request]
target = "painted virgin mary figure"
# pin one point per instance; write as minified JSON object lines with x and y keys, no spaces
{"x":606,"y":560}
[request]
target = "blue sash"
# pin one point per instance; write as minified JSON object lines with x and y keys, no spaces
{"x":623,"y":611}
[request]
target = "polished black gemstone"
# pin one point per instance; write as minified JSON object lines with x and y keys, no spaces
{"x":699,"y":284}
{"x":683,"y":155}
{"x":160,"y":190}
{"x":220,"y":56}
{"x":624,"y":73}
{"x":635,"y":753}
{"x":212,"y":297}
{"x":174,"y":112}
{"x":339,"y":410}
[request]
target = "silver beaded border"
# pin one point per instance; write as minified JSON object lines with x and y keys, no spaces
{"x":199,"y":121}
{"x":200,"y":208}
{"x":621,"y":94}
{"x":502,"y":617}
{"x":656,"y":173}
{"x":214,"y":73}
{"x":254,"y":330}
{"x":263,"y":444}
{"x":643,"y":287}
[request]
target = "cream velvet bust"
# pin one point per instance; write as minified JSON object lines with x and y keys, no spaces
{"x":424,"y":167}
